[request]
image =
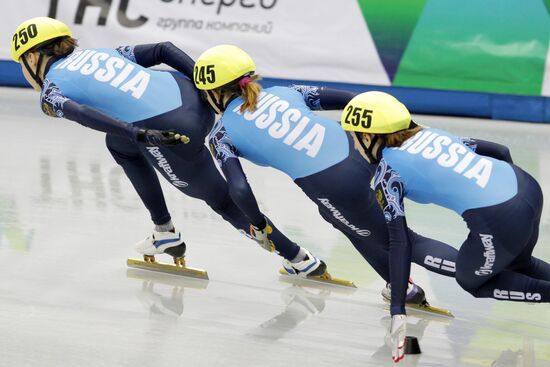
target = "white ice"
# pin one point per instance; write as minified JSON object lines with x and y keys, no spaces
{"x":69,"y":219}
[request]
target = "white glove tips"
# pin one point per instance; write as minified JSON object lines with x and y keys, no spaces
{"x":260,"y":235}
{"x":396,"y":335}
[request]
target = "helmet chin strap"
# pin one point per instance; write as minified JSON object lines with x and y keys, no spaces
{"x":34,"y":75}
{"x":371,"y":150}
{"x":219,"y":102}
{"x":214,"y":102}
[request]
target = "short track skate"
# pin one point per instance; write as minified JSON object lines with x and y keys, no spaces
{"x":178,"y":268}
{"x":326,"y":278}
{"x":425,"y":306}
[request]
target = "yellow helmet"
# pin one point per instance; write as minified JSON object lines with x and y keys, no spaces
{"x":221,"y":65}
{"x":34,"y":32}
{"x":376,"y":113}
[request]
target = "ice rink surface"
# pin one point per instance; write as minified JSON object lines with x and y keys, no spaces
{"x":69,"y":219}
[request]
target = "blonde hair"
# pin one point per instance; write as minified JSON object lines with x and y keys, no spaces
{"x":251,"y":93}
{"x":397,"y":138}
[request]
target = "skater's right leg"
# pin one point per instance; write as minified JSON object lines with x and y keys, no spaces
{"x":526,"y":263}
{"x":481,"y":270}
{"x":142,"y":176}
{"x":499,"y":235}
{"x":203,"y":181}
{"x":165,"y":237}
{"x":529,"y":265}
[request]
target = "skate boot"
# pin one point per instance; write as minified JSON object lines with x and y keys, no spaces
{"x":157,"y":243}
{"x":416,"y":299}
{"x":415,"y":294}
{"x":311,"y":268}
{"x":170,"y":243}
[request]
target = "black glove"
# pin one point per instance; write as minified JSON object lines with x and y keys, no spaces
{"x":161,"y":137}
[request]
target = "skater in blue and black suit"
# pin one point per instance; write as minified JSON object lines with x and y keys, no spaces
{"x":500,"y":203}
{"x":152,"y":120}
{"x":277,"y":127}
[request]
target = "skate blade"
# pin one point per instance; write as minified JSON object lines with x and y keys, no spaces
{"x":167,"y":268}
{"x":319,"y":279}
{"x":425,"y":307}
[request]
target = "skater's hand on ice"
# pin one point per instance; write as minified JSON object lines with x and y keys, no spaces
{"x":161,"y":137}
{"x":396,"y":335}
{"x":261,"y":234}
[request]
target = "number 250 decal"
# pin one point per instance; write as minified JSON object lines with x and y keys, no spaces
{"x":204,"y":74}
{"x":23,"y":36}
{"x":357,"y":116}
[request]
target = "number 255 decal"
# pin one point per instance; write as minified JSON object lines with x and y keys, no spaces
{"x":358,"y":116}
{"x":23,"y":36}
{"x":204,"y":74}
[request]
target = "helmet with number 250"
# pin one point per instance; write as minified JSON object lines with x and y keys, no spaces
{"x":221,"y":65}
{"x":375,"y":113}
{"x":35,"y":32}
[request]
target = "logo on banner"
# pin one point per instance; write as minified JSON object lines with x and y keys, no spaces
{"x":105,"y":8}
{"x":125,"y":21}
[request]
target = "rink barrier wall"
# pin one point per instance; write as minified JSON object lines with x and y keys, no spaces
{"x":418,"y":100}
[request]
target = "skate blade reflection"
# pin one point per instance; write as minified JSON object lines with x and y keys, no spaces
{"x":166,"y":279}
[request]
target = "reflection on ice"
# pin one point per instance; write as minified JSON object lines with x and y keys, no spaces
{"x":162,"y":294}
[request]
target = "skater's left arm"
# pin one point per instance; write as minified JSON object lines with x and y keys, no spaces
{"x":488,"y":148}
{"x":227,"y":157}
{"x":241,"y":193}
{"x":55,"y":104}
{"x":324,"y":98}
{"x":390,"y":192}
{"x":148,"y":55}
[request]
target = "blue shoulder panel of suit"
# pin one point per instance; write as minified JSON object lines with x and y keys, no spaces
{"x":285,"y":134}
{"x":436,"y":167}
{"x":105,"y":80}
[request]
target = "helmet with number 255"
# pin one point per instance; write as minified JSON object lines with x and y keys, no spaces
{"x":375,"y":113}
{"x":36,"y":32}
{"x":221,"y":65}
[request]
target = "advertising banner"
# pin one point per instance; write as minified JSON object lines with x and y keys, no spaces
{"x":497,"y":48}
{"x":306,"y":39}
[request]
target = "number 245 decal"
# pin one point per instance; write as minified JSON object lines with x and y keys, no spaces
{"x":358,"y":116}
{"x":23,"y":36}
{"x":204,"y":74}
